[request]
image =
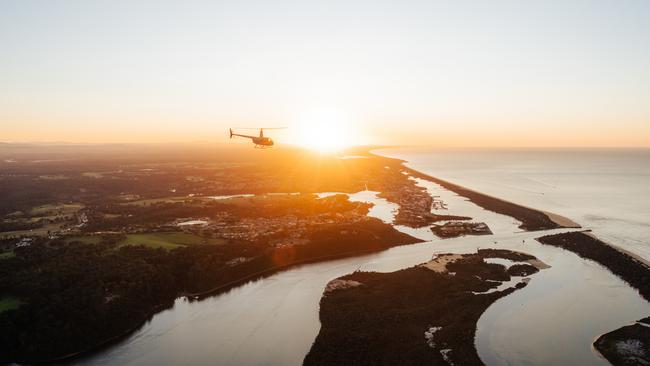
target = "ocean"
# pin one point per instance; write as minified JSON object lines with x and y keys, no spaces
{"x":605,"y":190}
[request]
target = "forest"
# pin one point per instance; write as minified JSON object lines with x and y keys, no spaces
{"x":77,"y":296}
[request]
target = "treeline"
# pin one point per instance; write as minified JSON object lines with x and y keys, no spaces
{"x":19,"y":225}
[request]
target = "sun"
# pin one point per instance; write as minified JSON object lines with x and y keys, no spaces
{"x":325,"y":131}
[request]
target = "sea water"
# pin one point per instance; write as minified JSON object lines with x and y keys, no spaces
{"x":606,"y":190}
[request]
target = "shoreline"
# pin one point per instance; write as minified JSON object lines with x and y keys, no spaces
{"x":618,"y":248}
{"x":562,"y":220}
{"x":636,"y":273}
{"x":487,"y":201}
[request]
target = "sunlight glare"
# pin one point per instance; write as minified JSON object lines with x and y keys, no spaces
{"x":325,"y":131}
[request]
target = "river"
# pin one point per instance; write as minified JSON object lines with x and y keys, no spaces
{"x":274,"y":321}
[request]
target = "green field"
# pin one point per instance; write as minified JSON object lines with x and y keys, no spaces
{"x":63,"y":208}
{"x":9,"y":254}
{"x":153,"y":201}
{"x":15,"y":214}
{"x":51,"y":212}
{"x":96,"y":175}
{"x":9,"y":303}
{"x":41,"y":231}
{"x":167,"y":240}
{"x":86,"y":239}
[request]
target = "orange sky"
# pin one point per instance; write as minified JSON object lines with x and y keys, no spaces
{"x":507,"y":73}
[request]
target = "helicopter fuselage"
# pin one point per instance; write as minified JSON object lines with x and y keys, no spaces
{"x":260,"y":141}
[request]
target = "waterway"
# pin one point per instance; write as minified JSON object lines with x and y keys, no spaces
{"x":274,"y":321}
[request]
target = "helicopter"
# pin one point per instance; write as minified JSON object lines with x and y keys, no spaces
{"x":261,"y":142}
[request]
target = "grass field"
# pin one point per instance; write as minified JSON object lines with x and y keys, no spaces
{"x":9,"y":254}
{"x":63,"y":208}
{"x":41,"y":231}
{"x":52,"y":212}
{"x":153,"y":201}
{"x":96,"y":175}
{"x":86,"y":239}
{"x":167,"y":240}
{"x":9,"y":303}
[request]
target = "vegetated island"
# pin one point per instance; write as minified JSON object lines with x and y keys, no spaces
{"x":424,"y":315}
{"x":629,"y":345}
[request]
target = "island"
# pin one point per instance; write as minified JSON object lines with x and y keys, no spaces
{"x":425,"y":315}
{"x":629,"y":345}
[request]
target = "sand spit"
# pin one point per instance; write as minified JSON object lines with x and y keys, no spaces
{"x":439,"y":263}
{"x":538,"y":264}
{"x":339,"y":284}
{"x":562,"y":220}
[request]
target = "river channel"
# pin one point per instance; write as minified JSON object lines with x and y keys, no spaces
{"x":273,"y":321}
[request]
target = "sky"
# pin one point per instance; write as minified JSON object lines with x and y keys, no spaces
{"x":441,"y":73}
